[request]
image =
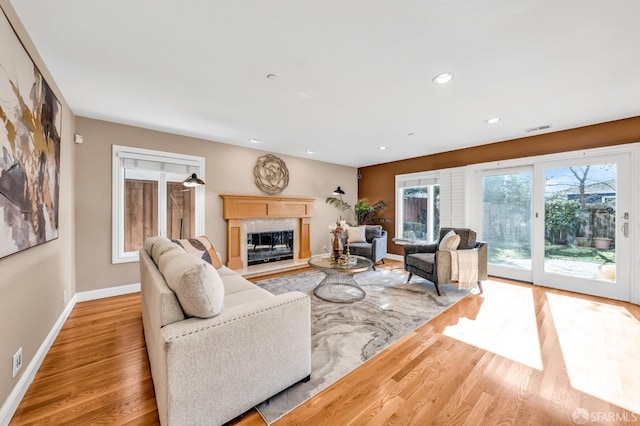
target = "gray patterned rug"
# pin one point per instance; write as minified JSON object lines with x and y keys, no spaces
{"x":343,"y":336}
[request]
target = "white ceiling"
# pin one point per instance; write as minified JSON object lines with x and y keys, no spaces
{"x":352,"y":75}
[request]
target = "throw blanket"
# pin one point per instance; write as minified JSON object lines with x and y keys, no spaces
{"x":464,"y":268}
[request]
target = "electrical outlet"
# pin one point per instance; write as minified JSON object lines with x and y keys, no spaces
{"x":324,"y":249}
{"x":64,"y":296}
{"x":17,"y":362}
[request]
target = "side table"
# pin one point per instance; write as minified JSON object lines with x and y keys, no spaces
{"x":338,"y":285}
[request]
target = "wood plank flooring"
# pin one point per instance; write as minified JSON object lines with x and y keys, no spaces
{"x":516,"y":355}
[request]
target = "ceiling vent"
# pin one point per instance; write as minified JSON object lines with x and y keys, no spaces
{"x":537,"y":129}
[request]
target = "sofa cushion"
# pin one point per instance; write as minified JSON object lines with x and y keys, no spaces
{"x":151,"y":241}
{"x":197,"y":285}
{"x":423,"y":261}
{"x":372,"y":231}
{"x":161,"y":247}
{"x":225,"y":270}
{"x":360,"y":249}
{"x":236,"y":283}
{"x":467,"y":239}
{"x":244,"y":297}
{"x":167,"y":257}
{"x":357,"y":234}
{"x":201,"y":247}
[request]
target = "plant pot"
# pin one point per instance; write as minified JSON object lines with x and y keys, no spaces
{"x":602,"y":243}
{"x":583,"y":242}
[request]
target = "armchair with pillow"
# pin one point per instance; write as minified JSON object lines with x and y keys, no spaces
{"x":369,"y":241}
{"x":457,"y":256}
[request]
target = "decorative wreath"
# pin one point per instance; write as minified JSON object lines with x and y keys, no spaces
{"x":271,"y":174}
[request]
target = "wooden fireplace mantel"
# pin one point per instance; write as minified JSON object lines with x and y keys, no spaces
{"x":235,"y":208}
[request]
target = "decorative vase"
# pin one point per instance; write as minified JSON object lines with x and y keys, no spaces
{"x":337,"y":247}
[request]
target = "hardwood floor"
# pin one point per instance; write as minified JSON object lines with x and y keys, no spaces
{"x":516,"y":355}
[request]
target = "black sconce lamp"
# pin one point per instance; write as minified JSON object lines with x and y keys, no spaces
{"x":190,"y":182}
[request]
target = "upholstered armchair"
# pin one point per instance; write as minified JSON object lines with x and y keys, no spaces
{"x":432,"y":262}
{"x":374,"y":244}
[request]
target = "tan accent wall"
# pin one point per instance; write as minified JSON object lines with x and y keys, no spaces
{"x":228,"y":170}
{"x":378,"y":182}
{"x":32,"y":281}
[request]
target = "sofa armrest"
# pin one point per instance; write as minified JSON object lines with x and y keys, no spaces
{"x":443,"y":267}
{"x":264,"y":346}
{"x":443,"y":263}
{"x":379,"y":247}
{"x":482,"y":248}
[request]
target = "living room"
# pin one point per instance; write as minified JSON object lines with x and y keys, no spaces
{"x":41,"y":284}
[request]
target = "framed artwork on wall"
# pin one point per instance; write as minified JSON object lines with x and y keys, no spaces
{"x":30,"y":121}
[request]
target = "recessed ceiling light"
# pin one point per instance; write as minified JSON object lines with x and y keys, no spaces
{"x":252,"y":140}
{"x":309,"y":152}
{"x":271,"y":76}
{"x":492,"y":120}
{"x":443,"y":78}
{"x":382,"y":148}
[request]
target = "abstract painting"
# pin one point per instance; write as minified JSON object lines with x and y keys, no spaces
{"x":30,"y":119}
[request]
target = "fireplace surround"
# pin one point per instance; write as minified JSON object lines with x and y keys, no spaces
{"x":241,"y":208}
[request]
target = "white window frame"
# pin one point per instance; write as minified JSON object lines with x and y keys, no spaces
{"x":119,"y":153}
{"x":413,"y":180}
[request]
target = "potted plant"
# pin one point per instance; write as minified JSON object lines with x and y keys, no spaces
{"x":602,"y":240}
{"x":364,"y":213}
{"x":602,"y":243}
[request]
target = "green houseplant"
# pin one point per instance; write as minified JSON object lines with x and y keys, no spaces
{"x":364,"y":213}
{"x":602,"y":240}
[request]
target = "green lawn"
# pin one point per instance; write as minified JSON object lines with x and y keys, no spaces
{"x":510,"y":251}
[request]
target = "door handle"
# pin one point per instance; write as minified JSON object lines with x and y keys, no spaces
{"x":625,"y":229}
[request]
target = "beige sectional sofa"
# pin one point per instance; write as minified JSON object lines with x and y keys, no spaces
{"x":250,"y":345}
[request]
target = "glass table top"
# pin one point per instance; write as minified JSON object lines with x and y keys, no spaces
{"x":325,"y":263}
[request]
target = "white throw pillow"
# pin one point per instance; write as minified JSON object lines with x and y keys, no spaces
{"x":449,"y":242}
{"x":196,"y":283}
{"x":357,"y":234}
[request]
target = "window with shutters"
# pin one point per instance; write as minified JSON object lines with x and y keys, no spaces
{"x":418,"y":206}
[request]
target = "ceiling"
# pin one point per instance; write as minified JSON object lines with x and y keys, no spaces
{"x":350,"y":75}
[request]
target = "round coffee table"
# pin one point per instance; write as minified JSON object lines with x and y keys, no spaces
{"x":338,"y":285}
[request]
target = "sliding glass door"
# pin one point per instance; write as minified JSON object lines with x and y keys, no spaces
{"x":506,"y":221}
{"x":584,"y":242}
{"x":561,"y":224}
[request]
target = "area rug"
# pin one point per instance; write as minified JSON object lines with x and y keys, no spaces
{"x":343,"y":336}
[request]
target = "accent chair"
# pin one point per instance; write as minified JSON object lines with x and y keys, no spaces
{"x":432,"y":263}
{"x":374,"y":246}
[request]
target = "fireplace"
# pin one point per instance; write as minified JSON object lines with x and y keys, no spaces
{"x":271,"y":246}
{"x":250,"y":214}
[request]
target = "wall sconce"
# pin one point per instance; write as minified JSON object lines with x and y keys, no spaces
{"x":189,"y":182}
{"x":193,"y":180}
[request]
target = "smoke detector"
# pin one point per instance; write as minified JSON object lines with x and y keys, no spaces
{"x":538,"y":128}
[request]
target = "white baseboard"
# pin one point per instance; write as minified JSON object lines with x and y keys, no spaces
{"x":13,"y":401}
{"x":395,"y":256}
{"x":10,"y":406}
{"x":84,"y":296}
